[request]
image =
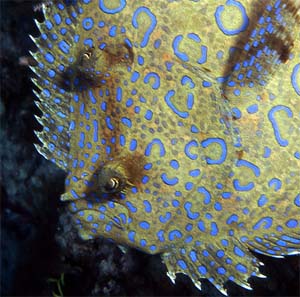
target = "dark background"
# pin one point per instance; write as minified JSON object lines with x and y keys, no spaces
{"x":38,"y":243}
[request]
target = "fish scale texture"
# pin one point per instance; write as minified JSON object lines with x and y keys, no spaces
{"x":178,"y":127}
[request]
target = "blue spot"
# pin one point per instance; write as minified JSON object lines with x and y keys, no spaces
{"x":130,"y":206}
{"x":231,"y":219}
{"x":144,"y":225}
{"x":292,"y":223}
{"x":143,"y":242}
{"x":64,"y":47}
{"x":174,"y":164}
{"x":160,"y":235}
{"x":89,"y":218}
{"x":218,"y":206}
{"x":214,"y":229}
{"x":297,"y":200}
{"x":191,"y":215}
{"x":166,"y":218}
{"x":241,"y":268}
{"x":49,"y":58}
{"x":202,"y":269}
{"x":131,"y":235}
{"x":220,"y":254}
{"x":201,"y":226}
{"x":133,"y":144}
{"x":221,"y":270}
{"x":148,"y":207}
{"x":238,"y":251}
{"x":205,"y":192}
{"x":126,"y":122}
{"x":194,"y":173}
{"x":193,"y":256}
{"x":174,"y":234}
{"x":182,"y":264}
{"x":262,"y":200}
{"x":252,"y":109}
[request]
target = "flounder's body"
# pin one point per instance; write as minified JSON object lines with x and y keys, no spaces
{"x":178,"y":123}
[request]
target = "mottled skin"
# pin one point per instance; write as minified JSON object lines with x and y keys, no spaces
{"x":179,"y":126}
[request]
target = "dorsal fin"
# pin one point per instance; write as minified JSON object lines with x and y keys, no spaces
{"x":53,"y":57}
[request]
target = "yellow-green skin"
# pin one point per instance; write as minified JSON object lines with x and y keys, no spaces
{"x":178,"y":123}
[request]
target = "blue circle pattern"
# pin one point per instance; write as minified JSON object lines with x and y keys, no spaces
{"x":205,"y":221}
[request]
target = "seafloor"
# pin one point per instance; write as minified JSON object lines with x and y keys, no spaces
{"x":38,"y":244}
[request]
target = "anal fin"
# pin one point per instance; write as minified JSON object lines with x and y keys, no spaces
{"x":227,"y":260}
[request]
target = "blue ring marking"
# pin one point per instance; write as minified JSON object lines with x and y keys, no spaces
{"x":191,"y":215}
{"x":158,"y":142}
{"x":148,"y":207}
{"x":169,"y":181}
{"x":181,"y":55}
{"x":113,"y":10}
{"x":187,"y":80}
{"x":295,"y":73}
{"x":202,"y":269}
{"x":218,"y":17}
{"x":238,"y":251}
{"x":214,"y":229}
{"x":292,"y":223}
{"x":150,"y":29}
{"x":276,"y":183}
{"x":130,"y":206}
{"x":265,"y":222}
{"x":201,"y":226}
{"x":87,"y":24}
{"x":166,"y":218}
{"x":192,"y":143}
{"x":239,"y":187}
{"x":232,"y":218}
{"x":181,"y":264}
{"x":205,"y":192}
{"x":144,"y":225}
{"x":64,"y":47}
{"x":156,"y":77}
{"x":182,"y":114}
{"x":250,"y":165}
{"x":281,"y":141}
{"x":205,"y":143}
{"x":262,"y":200}
{"x":174,"y":234}
{"x":241,"y":268}
{"x":297,"y":200}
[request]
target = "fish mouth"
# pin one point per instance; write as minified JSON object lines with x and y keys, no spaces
{"x":110,"y":212}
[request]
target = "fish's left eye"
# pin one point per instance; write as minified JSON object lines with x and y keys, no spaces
{"x":112,"y":184}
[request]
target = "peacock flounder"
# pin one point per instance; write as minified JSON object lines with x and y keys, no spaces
{"x":178,"y":124}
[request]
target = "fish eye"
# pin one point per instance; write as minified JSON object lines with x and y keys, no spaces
{"x":112,"y":184}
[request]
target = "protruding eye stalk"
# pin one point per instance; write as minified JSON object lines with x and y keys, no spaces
{"x":111,"y":179}
{"x":112,"y":184}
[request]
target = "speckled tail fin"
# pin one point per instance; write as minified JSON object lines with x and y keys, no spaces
{"x":229,"y":260}
{"x":268,"y":42}
{"x":53,"y":57}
